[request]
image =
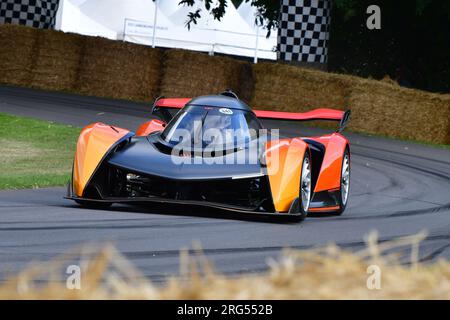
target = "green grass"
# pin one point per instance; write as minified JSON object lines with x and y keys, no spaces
{"x":35,"y":153}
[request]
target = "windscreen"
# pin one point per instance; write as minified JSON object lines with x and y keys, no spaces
{"x":211,"y":126}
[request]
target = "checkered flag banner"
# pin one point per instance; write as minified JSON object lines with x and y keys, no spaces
{"x":304,"y":30}
{"x":32,"y":13}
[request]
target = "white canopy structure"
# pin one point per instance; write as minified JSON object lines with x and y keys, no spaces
{"x":168,"y":7}
{"x":249,"y":14}
{"x":136,"y":20}
{"x":70,"y":19}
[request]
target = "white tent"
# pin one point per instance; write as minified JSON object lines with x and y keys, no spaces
{"x":168,"y":7}
{"x":174,"y":34}
{"x":230,"y":35}
{"x":247,"y":12}
{"x":134,"y":21}
{"x":233,"y":34}
{"x":114,"y":13}
{"x":71,"y":19}
{"x":267,"y":45}
{"x":179,"y":15}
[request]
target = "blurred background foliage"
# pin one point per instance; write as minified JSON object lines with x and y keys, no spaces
{"x":412,"y":47}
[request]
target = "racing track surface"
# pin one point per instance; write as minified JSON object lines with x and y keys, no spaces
{"x":397,"y":188}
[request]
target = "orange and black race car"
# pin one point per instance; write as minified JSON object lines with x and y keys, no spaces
{"x":213,"y":151}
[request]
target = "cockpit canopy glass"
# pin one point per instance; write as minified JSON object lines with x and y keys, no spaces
{"x":212,"y":126}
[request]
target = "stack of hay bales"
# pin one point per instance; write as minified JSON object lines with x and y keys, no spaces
{"x":17,"y":44}
{"x":390,"y":110}
{"x":190,"y":74}
{"x":120,"y":70}
{"x":57,"y":59}
{"x":290,"y":88}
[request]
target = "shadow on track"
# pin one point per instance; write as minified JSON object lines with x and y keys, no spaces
{"x":197,"y":211}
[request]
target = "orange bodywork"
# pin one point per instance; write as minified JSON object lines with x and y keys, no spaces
{"x":93,"y":143}
{"x":284,"y":159}
{"x":330,"y":172}
{"x":150,"y":126}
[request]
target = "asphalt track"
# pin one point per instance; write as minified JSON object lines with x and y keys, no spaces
{"x":397,"y":188}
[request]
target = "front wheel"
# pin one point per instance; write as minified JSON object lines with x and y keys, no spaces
{"x":345,"y":182}
{"x":305,"y":186}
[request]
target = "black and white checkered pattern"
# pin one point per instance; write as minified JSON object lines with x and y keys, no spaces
{"x":32,"y":13}
{"x":304,"y":30}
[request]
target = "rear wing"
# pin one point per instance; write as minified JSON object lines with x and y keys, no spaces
{"x":316,"y":114}
{"x":162,"y":105}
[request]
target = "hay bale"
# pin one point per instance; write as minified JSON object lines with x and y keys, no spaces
{"x":57,"y":60}
{"x":290,"y":88}
{"x":386,"y":109}
{"x":190,"y":74}
{"x":120,"y":70}
{"x":17,"y":45}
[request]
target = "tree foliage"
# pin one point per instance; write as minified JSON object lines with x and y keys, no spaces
{"x":412,"y":46}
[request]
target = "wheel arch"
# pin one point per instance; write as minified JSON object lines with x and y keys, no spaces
{"x":330,"y":171}
{"x":284,"y":160}
{"x":94,"y":144}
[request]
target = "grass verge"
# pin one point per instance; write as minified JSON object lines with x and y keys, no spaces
{"x":35,"y":153}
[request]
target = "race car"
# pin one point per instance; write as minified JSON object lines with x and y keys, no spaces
{"x":213,"y":151}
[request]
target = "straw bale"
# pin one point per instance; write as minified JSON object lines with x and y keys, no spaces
{"x":190,"y":74}
{"x":398,"y":112}
{"x":57,"y":60}
{"x":290,"y":88}
{"x":17,"y":44}
{"x":119,"y":70}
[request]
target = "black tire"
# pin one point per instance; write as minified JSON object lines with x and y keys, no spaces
{"x":93,"y":204}
{"x":343,"y":202}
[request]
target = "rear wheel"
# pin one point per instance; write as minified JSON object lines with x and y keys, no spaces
{"x":345,"y":182}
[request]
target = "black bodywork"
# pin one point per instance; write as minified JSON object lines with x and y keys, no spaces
{"x":128,"y":173}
